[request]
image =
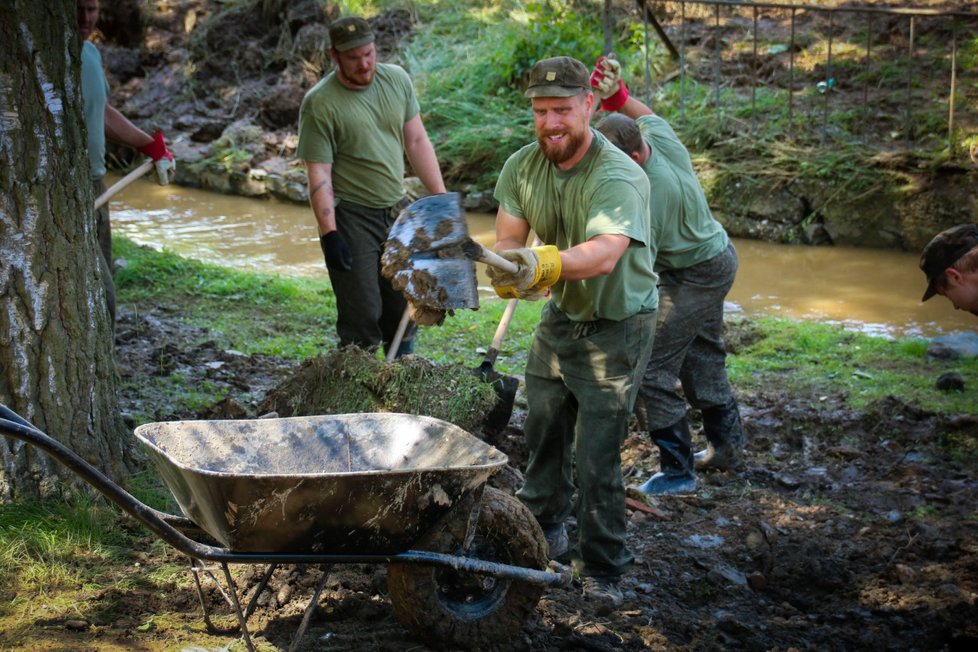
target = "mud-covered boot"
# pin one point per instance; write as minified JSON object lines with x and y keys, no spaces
{"x":725,"y":435}
{"x":675,"y":461}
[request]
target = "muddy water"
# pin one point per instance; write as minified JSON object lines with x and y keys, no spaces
{"x":873,"y":291}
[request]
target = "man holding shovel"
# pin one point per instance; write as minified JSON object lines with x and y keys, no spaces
{"x":104,"y":122}
{"x":355,"y":126}
{"x":696,"y":263}
{"x":588,"y":203}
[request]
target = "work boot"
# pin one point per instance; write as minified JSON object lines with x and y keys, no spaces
{"x":675,"y":461}
{"x":725,"y":438}
{"x":558,"y":543}
{"x":603,"y":590}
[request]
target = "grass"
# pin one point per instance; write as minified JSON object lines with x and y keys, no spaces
{"x":808,"y":358}
{"x":243,"y":310}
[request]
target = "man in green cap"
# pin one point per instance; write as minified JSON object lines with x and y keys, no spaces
{"x":696,"y":263}
{"x":355,"y":126}
{"x":589,"y":205}
{"x":950,"y":263}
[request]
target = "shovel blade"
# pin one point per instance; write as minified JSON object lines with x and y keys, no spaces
{"x":424,"y":256}
{"x":441,"y":283}
{"x":430,"y":224}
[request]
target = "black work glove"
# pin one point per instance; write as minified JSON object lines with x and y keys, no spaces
{"x":336,"y":252}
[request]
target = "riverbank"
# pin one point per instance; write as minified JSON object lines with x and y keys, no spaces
{"x":851,"y":527}
{"x":231,"y":116}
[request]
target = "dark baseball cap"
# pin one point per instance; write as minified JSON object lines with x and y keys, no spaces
{"x":944,"y":250}
{"x":350,"y":32}
{"x":558,"y":77}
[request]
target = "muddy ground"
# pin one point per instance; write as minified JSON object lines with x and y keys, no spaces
{"x":847,"y":530}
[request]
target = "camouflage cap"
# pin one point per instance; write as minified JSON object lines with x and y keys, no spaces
{"x":350,"y":32}
{"x":558,"y":77}
{"x":943,"y":251}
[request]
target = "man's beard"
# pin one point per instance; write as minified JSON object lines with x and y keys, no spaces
{"x":359,"y":78}
{"x":557,"y":153}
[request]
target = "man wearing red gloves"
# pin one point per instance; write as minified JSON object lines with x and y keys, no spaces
{"x":696,"y":263}
{"x":104,"y":122}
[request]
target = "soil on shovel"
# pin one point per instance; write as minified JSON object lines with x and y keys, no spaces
{"x":847,"y":530}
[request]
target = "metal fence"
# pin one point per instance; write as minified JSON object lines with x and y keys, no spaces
{"x":890,"y":76}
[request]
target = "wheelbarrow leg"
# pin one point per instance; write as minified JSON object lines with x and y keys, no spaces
{"x":237,"y":607}
{"x":326,"y":568}
{"x":231,"y":596}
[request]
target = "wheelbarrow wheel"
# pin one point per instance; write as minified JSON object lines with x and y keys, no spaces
{"x":445,"y":607}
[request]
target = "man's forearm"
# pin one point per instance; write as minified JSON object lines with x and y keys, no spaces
{"x":321,"y":196}
{"x":118,"y":129}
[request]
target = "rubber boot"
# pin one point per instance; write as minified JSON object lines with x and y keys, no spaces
{"x":675,"y":461}
{"x":724,"y":432}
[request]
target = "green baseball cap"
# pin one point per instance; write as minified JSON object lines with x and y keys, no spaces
{"x":944,"y":250}
{"x":558,"y":77}
{"x":350,"y":32}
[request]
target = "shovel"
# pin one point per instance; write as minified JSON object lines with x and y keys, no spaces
{"x":505,"y":386}
{"x":429,"y":255}
{"x":122,"y":183}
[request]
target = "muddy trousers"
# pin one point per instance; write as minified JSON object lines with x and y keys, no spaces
{"x":581,"y":382}
{"x":689,"y":343}
{"x":368,"y":308}
{"x":103,"y":231}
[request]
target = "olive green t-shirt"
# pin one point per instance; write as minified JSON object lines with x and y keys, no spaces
{"x":361,"y":132}
{"x":95,"y":93}
{"x":687,"y":232}
{"x":605,"y":193}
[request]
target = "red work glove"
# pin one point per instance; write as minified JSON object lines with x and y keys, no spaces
{"x":162,"y":158}
{"x":607,"y":84}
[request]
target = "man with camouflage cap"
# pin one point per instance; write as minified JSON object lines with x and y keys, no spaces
{"x":950,"y":263}
{"x":355,"y":126}
{"x":588,"y":203}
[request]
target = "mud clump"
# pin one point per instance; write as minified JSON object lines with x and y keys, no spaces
{"x":351,"y":379}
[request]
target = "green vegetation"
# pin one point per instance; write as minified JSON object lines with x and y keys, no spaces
{"x":819,"y":360}
{"x":244,"y":311}
{"x":469,"y":60}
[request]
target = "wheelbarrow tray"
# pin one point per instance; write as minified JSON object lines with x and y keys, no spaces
{"x":352,"y":483}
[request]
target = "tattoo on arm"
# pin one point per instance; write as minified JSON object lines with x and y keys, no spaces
{"x":322,"y":184}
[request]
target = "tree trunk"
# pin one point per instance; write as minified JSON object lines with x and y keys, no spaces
{"x":56,"y":359}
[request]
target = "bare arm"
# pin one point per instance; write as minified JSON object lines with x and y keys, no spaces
{"x":119,"y":129}
{"x":635,"y":109}
{"x":511,"y":231}
{"x":421,"y":155}
{"x":596,"y":257}
{"x":321,"y":195}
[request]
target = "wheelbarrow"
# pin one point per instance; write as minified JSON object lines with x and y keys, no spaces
{"x":466,"y":562}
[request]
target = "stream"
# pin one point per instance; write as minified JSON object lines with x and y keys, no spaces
{"x":872,"y":291}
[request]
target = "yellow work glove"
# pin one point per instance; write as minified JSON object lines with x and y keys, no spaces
{"x":539,"y":268}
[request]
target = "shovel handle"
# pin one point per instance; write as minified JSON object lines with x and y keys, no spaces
{"x":399,"y":335}
{"x":492,"y":258}
{"x":123,"y":182}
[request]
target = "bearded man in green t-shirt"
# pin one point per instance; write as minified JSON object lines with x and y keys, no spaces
{"x":355,"y":126}
{"x":588,"y":203}
{"x":696,"y":263}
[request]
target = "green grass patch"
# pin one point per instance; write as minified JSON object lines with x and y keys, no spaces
{"x":819,"y":359}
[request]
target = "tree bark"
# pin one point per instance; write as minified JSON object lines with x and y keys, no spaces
{"x":56,"y":359}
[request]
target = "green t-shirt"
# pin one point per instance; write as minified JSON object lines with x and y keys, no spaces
{"x":687,"y":232}
{"x":605,"y":193}
{"x":95,"y":93}
{"x":361,"y":132}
